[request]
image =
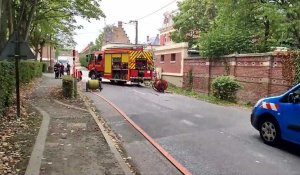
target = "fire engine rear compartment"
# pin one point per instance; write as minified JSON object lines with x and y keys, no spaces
{"x":121,"y":68}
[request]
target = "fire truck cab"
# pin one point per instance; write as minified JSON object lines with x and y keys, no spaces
{"x":122,"y":65}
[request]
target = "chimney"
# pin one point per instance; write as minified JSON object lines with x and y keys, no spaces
{"x":147,"y":38}
{"x":119,"y":24}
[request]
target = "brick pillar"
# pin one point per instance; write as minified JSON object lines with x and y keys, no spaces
{"x":233,"y":66}
{"x":270,"y":62}
{"x":208,"y":65}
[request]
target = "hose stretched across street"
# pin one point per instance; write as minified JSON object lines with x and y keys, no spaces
{"x":178,"y":165}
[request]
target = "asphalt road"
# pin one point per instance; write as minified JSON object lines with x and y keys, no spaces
{"x":205,"y":138}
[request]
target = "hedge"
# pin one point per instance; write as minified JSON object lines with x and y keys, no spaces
{"x":69,"y":86}
{"x":28,"y":71}
{"x":7,"y":84}
{"x":83,"y":61}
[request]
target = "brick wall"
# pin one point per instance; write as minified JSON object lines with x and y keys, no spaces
{"x":259,"y":74}
{"x":48,"y":52}
{"x":167,"y":65}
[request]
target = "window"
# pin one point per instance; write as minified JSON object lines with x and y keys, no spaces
{"x":99,"y":58}
{"x":285,"y":99}
{"x":173,"y":57}
{"x":162,"y":58}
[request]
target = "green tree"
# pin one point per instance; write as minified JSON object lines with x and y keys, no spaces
{"x":229,"y":26}
{"x":97,"y":45}
{"x":45,"y":22}
{"x":194,"y":16}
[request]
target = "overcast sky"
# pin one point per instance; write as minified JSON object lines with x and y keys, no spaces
{"x":126,"y":10}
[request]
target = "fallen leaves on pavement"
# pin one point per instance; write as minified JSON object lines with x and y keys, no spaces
{"x":17,"y":136}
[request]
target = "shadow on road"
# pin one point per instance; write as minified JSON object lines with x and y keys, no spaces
{"x":290,"y":148}
{"x":125,"y":85}
{"x":285,"y":146}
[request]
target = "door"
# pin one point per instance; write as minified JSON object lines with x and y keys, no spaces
{"x":291,"y":118}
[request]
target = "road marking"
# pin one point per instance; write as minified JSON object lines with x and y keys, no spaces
{"x":188,"y":122}
{"x":198,"y":116}
{"x":139,"y":92}
{"x":178,"y":165}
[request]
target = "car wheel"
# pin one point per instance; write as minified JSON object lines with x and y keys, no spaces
{"x":269,"y":132}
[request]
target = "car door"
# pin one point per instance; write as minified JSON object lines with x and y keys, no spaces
{"x":291,"y":119}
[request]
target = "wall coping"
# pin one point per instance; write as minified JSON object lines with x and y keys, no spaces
{"x":171,"y":46}
{"x":236,"y":55}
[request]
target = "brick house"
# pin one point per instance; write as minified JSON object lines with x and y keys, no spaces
{"x":86,"y":49}
{"x":115,"y":34}
{"x":48,"y":55}
{"x":169,"y":55}
{"x":167,"y":28}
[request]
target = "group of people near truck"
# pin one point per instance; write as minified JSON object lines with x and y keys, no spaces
{"x":59,"y":69}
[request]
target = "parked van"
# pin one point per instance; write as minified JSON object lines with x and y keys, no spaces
{"x":278,"y":117}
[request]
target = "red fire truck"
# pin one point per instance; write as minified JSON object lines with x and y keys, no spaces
{"x":122,"y":64}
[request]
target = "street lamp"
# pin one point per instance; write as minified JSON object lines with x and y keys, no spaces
{"x":136,"y":30}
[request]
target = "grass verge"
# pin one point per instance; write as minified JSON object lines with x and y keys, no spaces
{"x":211,"y":99}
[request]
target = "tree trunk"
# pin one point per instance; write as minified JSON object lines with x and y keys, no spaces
{"x":41,"y":52}
{"x":297,"y":36}
{"x":267,"y":30}
{"x":10,"y":18}
{"x":36,"y":50}
{"x":3,"y":29}
{"x":0,"y":12}
{"x":20,"y":18}
{"x":29,"y":20}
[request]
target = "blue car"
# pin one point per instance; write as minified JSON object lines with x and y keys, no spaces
{"x":278,"y":117}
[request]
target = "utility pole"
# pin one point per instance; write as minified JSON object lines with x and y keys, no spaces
{"x":17,"y":64}
{"x":136,"y":30}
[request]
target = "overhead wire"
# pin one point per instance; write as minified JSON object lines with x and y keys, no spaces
{"x":157,"y":10}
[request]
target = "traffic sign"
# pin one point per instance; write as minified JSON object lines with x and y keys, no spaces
{"x":9,"y":51}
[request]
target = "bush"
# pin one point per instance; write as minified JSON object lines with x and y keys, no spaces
{"x":69,"y":86}
{"x":225,"y":88}
{"x":83,"y":61}
{"x":28,"y":71}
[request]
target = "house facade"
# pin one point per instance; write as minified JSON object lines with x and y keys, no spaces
{"x":86,"y":49}
{"x":170,"y":55}
{"x":115,"y":34}
{"x":48,"y":56}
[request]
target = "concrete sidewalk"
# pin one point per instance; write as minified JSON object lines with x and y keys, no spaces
{"x":69,"y":141}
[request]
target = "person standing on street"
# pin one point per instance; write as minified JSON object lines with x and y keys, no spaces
{"x":62,"y":70}
{"x":68,"y":68}
{"x":56,"y":70}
